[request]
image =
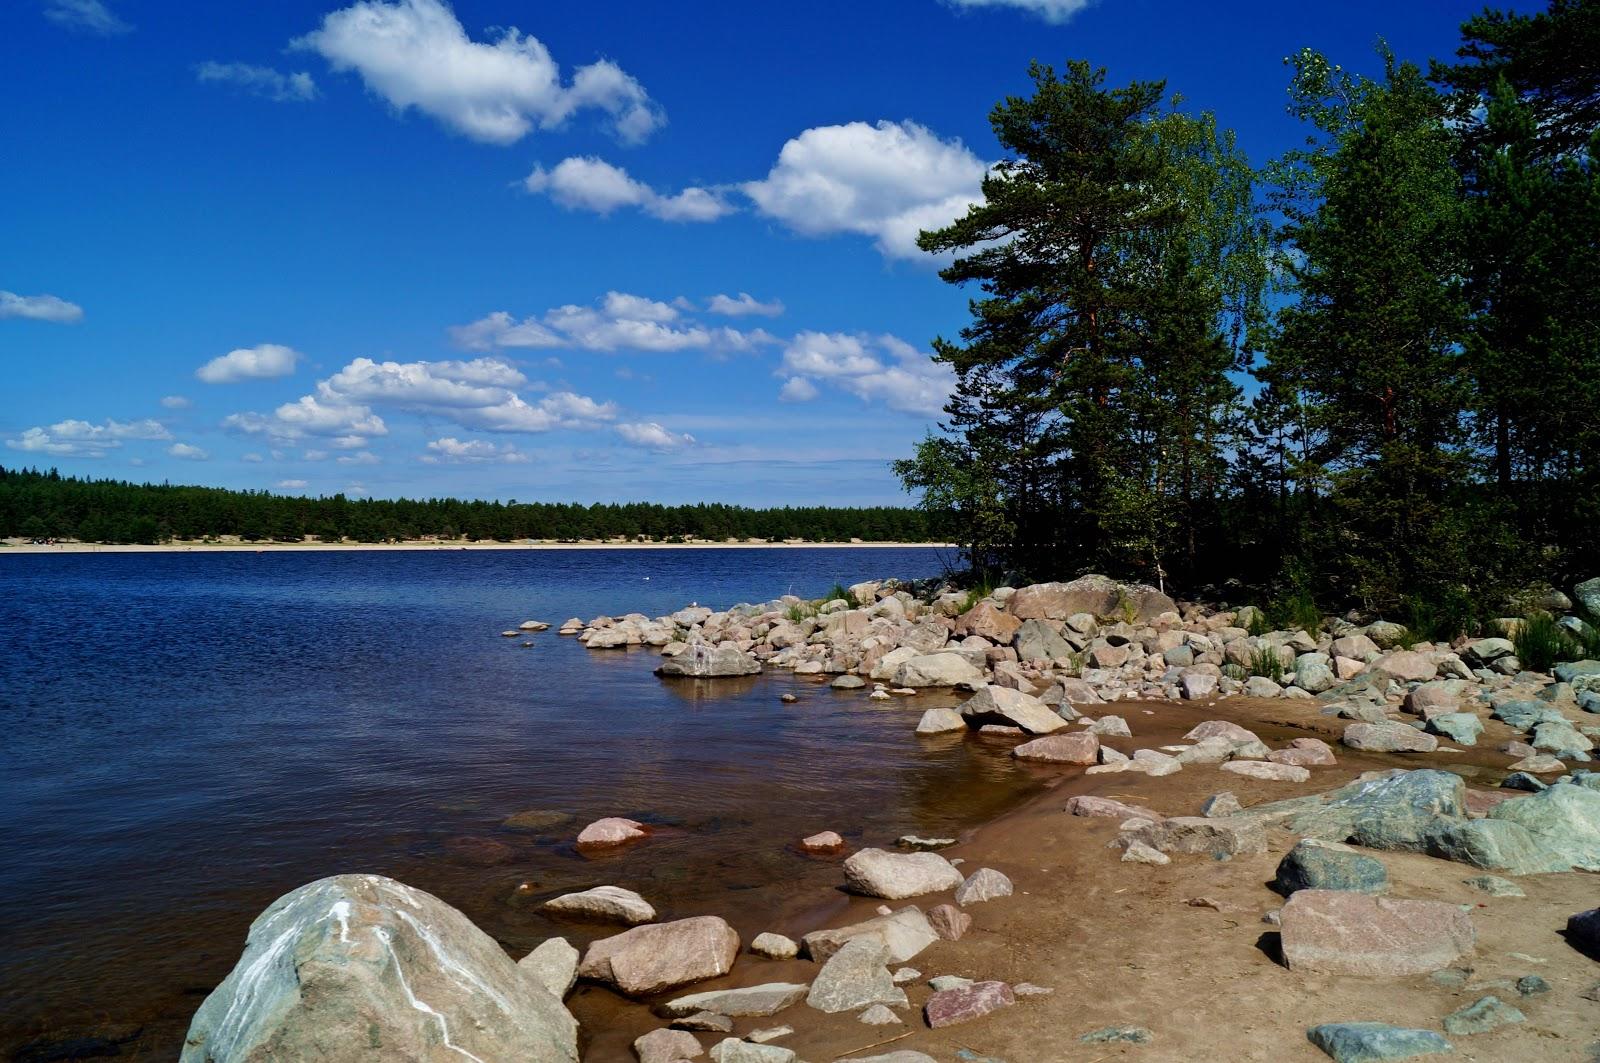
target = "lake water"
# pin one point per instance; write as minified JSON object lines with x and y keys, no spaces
{"x":188,"y":736}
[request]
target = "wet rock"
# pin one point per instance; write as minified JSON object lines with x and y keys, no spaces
{"x":667,"y":1046}
{"x":704,"y":1021}
{"x":1370,"y":1042}
{"x":537,"y":819}
{"x":822,"y":842}
{"x":940,"y":721}
{"x":984,"y":884}
{"x":753,"y":1001}
{"x":1109,"y":1035}
{"x":949,"y":922}
{"x":878,"y":873}
{"x":1320,"y":865}
{"x":554,"y":963}
{"x":479,"y":852}
{"x":661,"y":956}
{"x":1388,"y":738}
{"x":613,"y":830}
{"x":774,"y":947}
{"x":855,"y":977}
{"x":965,"y":1003}
{"x":904,"y":933}
{"x":1081,"y":747}
{"x":1494,"y":886}
{"x":700,"y":661}
{"x":1481,"y":1016}
{"x":878,"y":1015}
{"x":1335,"y":932}
{"x":733,"y":1050}
{"x":1272,"y":772}
{"x":1001,"y":705}
{"x":611,"y":903}
{"x":848,"y":682}
{"x":341,"y":963}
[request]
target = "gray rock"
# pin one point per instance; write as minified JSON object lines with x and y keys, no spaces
{"x":701,"y":661}
{"x":856,"y":977}
{"x":555,"y":964}
{"x":1388,"y":738}
{"x":758,"y":1001}
{"x":1481,"y":1016}
{"x":1313,"y":672}
{"x":848,"y":682}
{"x":1259,"y":686}
{"x":611,"y":903}
{"x":893,"y":876}
{"x":707,"y":1021}
{"x":1221,"y":837}
{"x":733,"y":1050}
{"x":774,"y":947}
{"x":902,"y":1056}
{"x":1564,"y":821}
{"x":984,"y":884}
{"x":661,"y":956}
{"x":342,"y":963}
{"x":1218,"y":805}
{"x":1461,"y":727}
{"x":1494,"y":886}
{"x":1531,"y":985}
{"x":1037,"y":640}
{"x":667,"y":1046}
{"x":938,"y":670}
{"x":904,"y":933}
{"x":1370,"y":1042}
{"x":1002,"y":705}
{"x":1321,"y":865}
{"x":940,"y":721}
{"x":1198,"y":685}
{"x":1129,"y":1035}
{"x":1588,"y":595}
{"x":878,"y":1015}
{"x":1494,"y":845}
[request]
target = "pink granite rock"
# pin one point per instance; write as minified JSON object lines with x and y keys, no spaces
{"x":660,"y":956}
{"x":1273,"y":772}
{"x":1079,"y":748}
{"x":1341,"y":932}
{"x":1305,"y":756}
{"x":1220,"y":729}
{"x":968,"y":1002}
{"x":949,"y":922}
{"x":1089,"y":805}
{"x":826,"y":842}
{"x":612,"y":830}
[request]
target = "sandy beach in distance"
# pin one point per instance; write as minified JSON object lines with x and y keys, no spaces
{"x":15,"y":546}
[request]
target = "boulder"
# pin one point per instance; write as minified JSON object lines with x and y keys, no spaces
{"x":1106,"y":807}
{"x":1010,"y":707}
{"x":937,"y":670}
{"x":1220,"y":729}
{"x":554,"y":964}
{"x":661,"y":956}
{"x":613,"y":830}
{"x":1588,"y":595}
{"x":1433,"y":699}
{"x":855,"y":977}
{"x":752,"y":1001}
{"x":700,"y":661}
{"x":1583,"y":932}
{"x":1096,"y":595}
{"x":986,"y":620}
{"x":1197,"y":686}
{"x":878,"y":873}
{"x":1313,"y":672}
{"x":774,"y":946}
{"x":965,"y":1003}
{"x":1320,"y":865}
{"x":949,"y":922}
{"x":667,"y":1046}
{"x":1338,"y":932}
{"x":1371,"y":1042}
{"x":904,"y":934}
{"x":1259,"y":686}
{"x":1306,"y":752}
{"x":1408,"y":666}
{"x":604,"y":902}
{"x":1388,"y":738}
{"x":347,"y":967}
{"x":984,"y":884}
{"x":1081,"y":747}
{"x":1563,"y":820}
{"x":1357,"y":647}
{"x":940,"y":721}
{"x":1036,"y":640}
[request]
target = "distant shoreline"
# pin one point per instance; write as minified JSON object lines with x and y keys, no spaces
{"x":9,"y":547}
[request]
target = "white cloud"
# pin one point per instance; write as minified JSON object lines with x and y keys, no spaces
{"x":592,"y":184}
{"x":480,"y":382}
{"x":872,"y":368}
{"x":452,"y":451}
{"x":40,"y":308}
{"x":356,"y":491}
{"x":261,"y":362}
{"x":330,"y":416}
{"x":1055,"y":11}
{"x":292,"y":485}
{"x":252,"y":457}
{"x":89,"y":16}
{"x":415,"y":53}
{"x":314,"y":455}
{"x":349,"y":442}
{"x":653,"y":436}
{"x":744,"y":305}
{"x":176,"y":402}
{"x":187,"y":452}
{"x":261,"y":81}
{"x":364,"y":457}
{"x":887,"y":181}
{"x":80,"y":439}
{"x":621,"y":322}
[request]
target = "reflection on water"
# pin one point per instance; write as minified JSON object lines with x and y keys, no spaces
{"x":188,"y":737}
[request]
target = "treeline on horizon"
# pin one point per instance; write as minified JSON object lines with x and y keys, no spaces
{"x":38,"y":504}
{"x":1364,"y":375}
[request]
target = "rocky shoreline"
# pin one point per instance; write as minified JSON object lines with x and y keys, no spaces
{"x":1384,"y":832}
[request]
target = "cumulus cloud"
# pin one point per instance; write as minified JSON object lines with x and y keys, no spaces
{"x":363,"y":457}
{"x":261,"y":81}
{"x":81,"y":439}
{"x":887,"y":181}
{"x":40,"y":308}
{"x":261,"y":362}
{"x":449,"y":450}
{"x":653,"y":436}
{"x":1054,"y":11}
{"x":85,"y":16}
{"x":619,"y":322}
{"x":292,"y":485}
{"x":743,"y":305}
{"x":592,"y":184}
{"x":873,"y":368}
{"x":415,"y":53}
{"x":187,"y":452}
{"x":176,"y":402}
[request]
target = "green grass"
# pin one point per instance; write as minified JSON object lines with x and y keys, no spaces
{"x":1541,"y":642}
{"x":1264,"y":661}
{"x":1259,"y":624}
{"x":1293,"y":612}
{"x":839,"y":590}
{"x":802,"y":611}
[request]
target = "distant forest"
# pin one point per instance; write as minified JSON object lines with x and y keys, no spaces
{"x":40,"y":505}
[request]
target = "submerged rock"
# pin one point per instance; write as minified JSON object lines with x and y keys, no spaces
{"x":613,"y":830}
{"x":354,"y":966}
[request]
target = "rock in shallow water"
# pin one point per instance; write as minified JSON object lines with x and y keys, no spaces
{"x":892,"y":876}
{"x":667,"y":1046}
{"x":753,"y":1001}
{"x":604,"y":902}
{"x":348,"y":966}
{"x":662,"y":956}
{"x":555,"y":964}
{"x":774,"y":947}
{"x":613,"y":830}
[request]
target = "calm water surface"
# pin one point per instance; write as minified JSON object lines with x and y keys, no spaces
{"x":188,"y":736}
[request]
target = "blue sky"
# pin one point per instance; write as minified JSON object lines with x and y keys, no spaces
{"x":498,"y":249}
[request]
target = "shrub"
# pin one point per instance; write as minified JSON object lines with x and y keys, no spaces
{"x":1259,"y":624}
{"x":1235,"y":671}
{"x":839,"y":590}
{"x":1298,"y":610}
{"x":1264,"y":661}
{"x":1541,"y":642}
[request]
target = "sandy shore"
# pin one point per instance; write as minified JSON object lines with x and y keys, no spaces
{"x":14,"y":546}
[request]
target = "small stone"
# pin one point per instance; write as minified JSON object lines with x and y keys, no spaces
{"x":1482,"y":1016}
{"x":1451,"y":977}
{"x":769,"y":1034}
{"x":906,"y":975}
{"x":1320,"y":865}
{"x":919,"y":844}
{"x":774,"y":947}
{"x":1140,"y":853}
{"x":848,"y":682}
{"x":1272,"y":772}
{"x":1028,"y":989}
{"x":1530,"y":985}
{"x":965,"y":1003}
{"x":613,"y":830}
{"x":878,"y":1015}
{"x":1218,"y":805}
{"x":734,"y":1050}
{"x":942,"y":982}
{"x":1495,"y":886}
{"x":1369,"y":1042}
{"x":1132,"y":1035}
{"x":824,"y":842}
{"x":704,"y":1021}
{"x":984,"y":884}
{"x":949,"y":922}
{"x":788,"y":699}
{"x":667,"y":1046}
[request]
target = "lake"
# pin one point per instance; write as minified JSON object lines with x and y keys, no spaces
{"x":188,"y":736}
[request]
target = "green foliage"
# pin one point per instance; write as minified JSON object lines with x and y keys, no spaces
{"x":1541,"y":642}
{"x":1264,"y":661}
{"x":801,"y":611}
{"x":1259,"y":624}
{"x":1235,"y":671}
{"x":838,"y":591}
{"x":1295,"y":611}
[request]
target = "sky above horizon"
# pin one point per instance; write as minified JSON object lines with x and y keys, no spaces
{"x":492,"y":249}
